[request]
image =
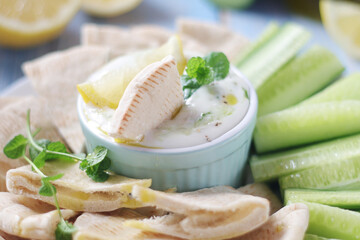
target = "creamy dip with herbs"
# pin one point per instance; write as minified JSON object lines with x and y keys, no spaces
{"x":210,"y":112}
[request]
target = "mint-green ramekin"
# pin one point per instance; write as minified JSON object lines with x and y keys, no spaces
{"x":219,"y":162}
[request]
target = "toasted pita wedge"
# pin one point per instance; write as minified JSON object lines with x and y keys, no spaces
{"x":55,"y":76}
{"x":262,"y":190}
{"x":29,"y":218}
{"x":6,"y":101}
{"x":212,"y":213}
{"x":121,"y":40}
{"x":153,"y":96}
{"x":13,"y":122}
{"x":205,"y":37}
{"x":5,"y":236}
{"x":290,"y":222}
{"x":75,"y":190}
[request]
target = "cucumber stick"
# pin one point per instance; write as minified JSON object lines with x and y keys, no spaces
{"x":333,"y":222}
{"x":342,"y":199}
{"x":316,"y":237}
{"x":272,"y":55}
{"x":347,"y":88}
{"x":271,"y":30}
{"x":298,"y":80}
{"x":306,"y":124}
{"x":337,"y":175}
{"x":271,"y":166}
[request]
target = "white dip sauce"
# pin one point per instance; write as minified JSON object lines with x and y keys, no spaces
{"x":210,"y":112}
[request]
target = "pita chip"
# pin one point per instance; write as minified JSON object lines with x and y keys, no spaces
{"x":205,"y":37}
{"x":153,"y":96}
{"x":121,"y":40}
{"x":13,"y":122}
{"x":262,"y":190}
{"x":55,"y":76}
{"x":75,"y":190}
{"x":211,"y":213}
{"x":29,"y":218}
{"x":290,"y":222}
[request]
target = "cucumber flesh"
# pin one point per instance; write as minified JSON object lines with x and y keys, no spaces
{"x":306,"y":124}
{"x":271,"y":166}
{"x":333,"y":222}
{"x":342,"y":199}
{"x":316,"y":237}
{"x":347,"y":88}
{"x":264,"y":62}
{"x":298,"y":80}
{"x":271,"y":30}
{"x":337,"y":175}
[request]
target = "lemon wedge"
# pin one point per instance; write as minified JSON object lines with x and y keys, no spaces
{"x":25,"y":23}
{"x":109,"y":8}
{"x":342,"y":21}
{"x":106,"y":86}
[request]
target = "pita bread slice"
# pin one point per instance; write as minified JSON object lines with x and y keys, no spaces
{"x":6,"y":101}
{"x":5,"y":236}
{"x":29,"y":218}
{"x":55,"y":76}
{"x":122,"y":40}
{"x":75,"y":190}
{"x":212,"y":213}
{"x":153,"y":96}
{"x":205,"y":37}
{"x":290,"y":222}
{"x":13,"y":122}
{"x":262,"y":190}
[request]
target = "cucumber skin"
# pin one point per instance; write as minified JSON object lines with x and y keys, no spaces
{"x":341,"y":175}
{"x":341,"y":199}
{"x":298,"y":80}
{"x":261,"y":64}
{"x":315,"y":237}
{"x":317,"y":122}
{"x":333,"y":222}
{"x":347,"y":88}
{"x":271,"y":166}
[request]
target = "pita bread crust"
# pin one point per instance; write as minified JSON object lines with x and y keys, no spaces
{"x":13,"y":122}
{"x":290,"y":222}
{"x":55,"y":76}
{"x":29,"y":218}
{"x":5,"y":236}
{"x":262,"y":190}
{"x":122,"y":40}
{"x":152,"y":97}
{"x":75,"y":190}
{"x":6,"y":101}
{"x":205,"y":37}
{"x":212,"y":213}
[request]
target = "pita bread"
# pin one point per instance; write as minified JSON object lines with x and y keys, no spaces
{"x":55,"y":76}
{"x":122,"y":40}
{"x":75,"y":190}
{"x":6,"y":101}
{"x":212,"y":213}
{"x":205,"y":37}
{"x":5,"y":236}
{"x":152,"y":97}
{"x":290,"y":222}
{"x":262,"y":190}
{"x":13,"y":122}
{"x":29,"y":218}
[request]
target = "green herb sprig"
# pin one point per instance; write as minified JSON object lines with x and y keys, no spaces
{"x":203,"y":71}
{"x":94,"y":164}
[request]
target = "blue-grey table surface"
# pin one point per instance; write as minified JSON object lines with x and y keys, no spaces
{"x":249,"y":22}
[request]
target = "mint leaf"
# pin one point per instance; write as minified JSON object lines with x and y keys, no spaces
{"x":64,"y":230}
{"x":57,"y":147}
{"x":16,"y":147}
{"x":96,"y":156}
{"x":47,"y":189}
{"x":40,"y":159}
{"x":219,"y":63}
{"x":34,"y":152}
{"x":195,"y":64}
{"x":190,"y":85}
{"x":97,"y":172}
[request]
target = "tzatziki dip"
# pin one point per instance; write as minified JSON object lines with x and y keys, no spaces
{"x":211,"y":111}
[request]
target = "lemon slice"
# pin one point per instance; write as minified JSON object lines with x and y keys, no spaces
{"x":106,"y":86}
{"x":26,"y":23}
{"x":109,"y":8}
{"x":342,"y":21}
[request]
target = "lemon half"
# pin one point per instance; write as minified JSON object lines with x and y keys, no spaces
{"x":342,"y":21}
{"x":25,"y":23}
{"x":109,"y":8}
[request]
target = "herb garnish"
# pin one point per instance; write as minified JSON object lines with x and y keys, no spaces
{"x":94,"y":164}
{"x":203,"y":71}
